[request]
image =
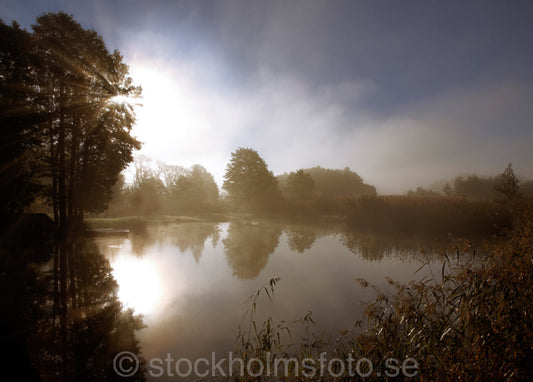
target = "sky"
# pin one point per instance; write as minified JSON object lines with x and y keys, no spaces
{"x":405,"y":93}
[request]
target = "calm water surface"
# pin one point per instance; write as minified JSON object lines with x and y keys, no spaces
{"x":191,"y":280}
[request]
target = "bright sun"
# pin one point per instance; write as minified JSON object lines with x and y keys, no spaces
{"x":177,"y":114}
{"x":139,"y":284}
{"x":169,"y":108}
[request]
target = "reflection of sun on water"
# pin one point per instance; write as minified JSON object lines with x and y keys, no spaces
{"x":139,"y":284}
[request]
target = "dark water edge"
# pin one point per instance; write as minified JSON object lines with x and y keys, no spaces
{"x":61,"y":319}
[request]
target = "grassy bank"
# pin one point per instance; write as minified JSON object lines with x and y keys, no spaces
{"x":132,"y":222}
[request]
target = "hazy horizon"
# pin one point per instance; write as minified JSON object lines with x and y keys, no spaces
{"x":405,"y":94}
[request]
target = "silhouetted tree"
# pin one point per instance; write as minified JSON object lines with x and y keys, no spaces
{"x":19,"y":162}
{"x":248,"y":181}
{"x":82,"y":88}
{"x":165,"y":188}
{"x":300,"y":186}
{"x":447,"y":190}
{"x":193,"y":191}
{"x":474,"y":187}
{"x":146,"y":192}
{"x":507,"y":183}
{"x":332,"y":183}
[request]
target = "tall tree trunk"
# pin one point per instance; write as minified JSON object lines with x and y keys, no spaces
{"x":61,"y":164}
{"x":56,"y":306}
{"x":64,"y":301}
{"x":73,"y":170}
{"x":53,"y":165}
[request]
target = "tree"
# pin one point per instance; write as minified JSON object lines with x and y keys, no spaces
{"x":19,"y":166}
{"x":248,"y":181}
{"x":147,"y":188}
{"x":507,"y":183}
{"x":447,"y":190}
{"x":332,"y":183}
{"x":197,"y":188}
{"x":300,"y":186}
{"x":191,"y":190}
{"x":87,"y":123}
{"x":474,"y":187}
{"x":205,"y":183}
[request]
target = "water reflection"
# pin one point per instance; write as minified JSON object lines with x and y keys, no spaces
{"x":61,"y":317}
{"x":64,"y":316}
{"x":301,"y":239}
{"x":248,"y":246}
{"x":185,"y":236}
{"x":204,"y":272}
{"x":377,"y":247}
{"x":192,"y":236}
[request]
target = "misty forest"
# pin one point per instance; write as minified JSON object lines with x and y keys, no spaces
{"x":107,"y":247}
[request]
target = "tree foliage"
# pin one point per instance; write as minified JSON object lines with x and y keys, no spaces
{"x":507,"y":183}
{"x":168,"y":189}
{"x":300,"y":186}
{"x":248,"y":181}
{"x":194,"y":189}
{"x":504,"y":185}
{"x":67,"y":99}
{"x":18,"y":164}
{"x":474,"y":187}
{"x":332,"y":183}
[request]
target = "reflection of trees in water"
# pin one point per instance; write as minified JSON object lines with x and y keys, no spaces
{"x":301,"y":239}
{"x":183,"y":235}
{"x":373,"y":246}
{"x":141,"y":240}
{"x":248,"y":246}
{"x":61,"y":319}
{"x":193,"y":236}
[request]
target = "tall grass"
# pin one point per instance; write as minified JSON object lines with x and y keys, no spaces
{"x":427,"y":215}
{"x":473,"y":321}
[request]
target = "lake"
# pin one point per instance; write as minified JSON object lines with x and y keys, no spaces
{"x":191,"y":281}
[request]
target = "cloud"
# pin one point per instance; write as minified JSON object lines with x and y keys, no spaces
{"x":293,"y":124}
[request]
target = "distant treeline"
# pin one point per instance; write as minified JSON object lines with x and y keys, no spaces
{"x":248,"y":187}
{"x":473,"y":207}
{"x":474,"y":187}
{"x":165,"y":189}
